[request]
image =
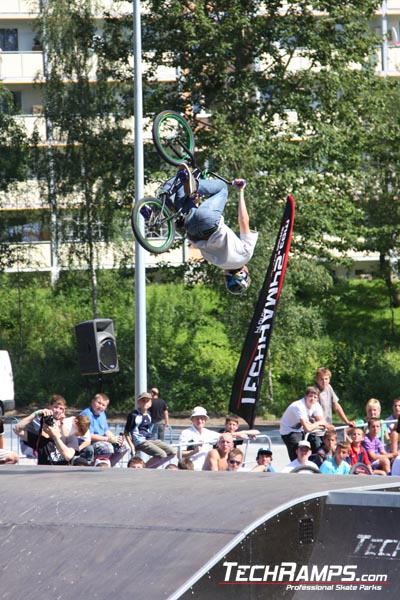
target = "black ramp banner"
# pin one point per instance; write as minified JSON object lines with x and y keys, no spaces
{"x":249,"y":373}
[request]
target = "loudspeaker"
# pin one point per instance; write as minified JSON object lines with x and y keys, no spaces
{"x":97,"y":350}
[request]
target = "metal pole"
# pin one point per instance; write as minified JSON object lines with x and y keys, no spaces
{"x":140,"y":269}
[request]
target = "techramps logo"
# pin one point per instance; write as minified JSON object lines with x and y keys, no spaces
{"x":312,"y":578}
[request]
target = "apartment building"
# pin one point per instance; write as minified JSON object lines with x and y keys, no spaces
{"x":25,"y":215}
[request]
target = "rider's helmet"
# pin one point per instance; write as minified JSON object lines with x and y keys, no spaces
{"x":237,"y":282}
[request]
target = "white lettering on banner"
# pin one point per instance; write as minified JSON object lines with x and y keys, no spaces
{"x":263,"y":326}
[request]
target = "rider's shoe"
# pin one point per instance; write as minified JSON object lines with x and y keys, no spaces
{"x":185,"y":176}
{"x":180,"y":222}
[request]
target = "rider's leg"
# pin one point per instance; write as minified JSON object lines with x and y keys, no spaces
{"x":208,"y":215}
{"x":179,"y":198}
{"x":217,"y":193}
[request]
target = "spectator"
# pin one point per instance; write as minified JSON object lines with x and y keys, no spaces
{"x":102,"y":440}
{"x":7,"y":457}
{"x":373,"y":410}
{"x":217,"y":458}
{"x":185,"y":464}
{"x":395,"y":415}
{"x":329,"y":402}
{"x":78,"y":426}
{"x":138,"y":434}
{"x":328,"y":398}
{"x":396,"y":462}
{"x":303,"y":453}
{"x":300,"y":417}
{"x":52,"y":448}
{"x":172,"y":467}
{"x":395,"y":437}
{"x":235,"y":460}
{"x":337,"y":464}
{"x":264,"y":459}
{"x":135,"y":462}
{"x":325,"y":451}
{"x":232,"y":425}
{"x":197,"y":439}
{"x":394,"y":445}
{"x":159,"y":414}
{"x":102,"y":461}
{"x":379,"y":458}
{"x":58,"y":406}
{"x":357,"y":453}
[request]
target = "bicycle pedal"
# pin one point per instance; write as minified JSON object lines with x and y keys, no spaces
{"x":180,"y":222}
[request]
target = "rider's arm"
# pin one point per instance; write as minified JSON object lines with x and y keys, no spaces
{"x":243,"y":215}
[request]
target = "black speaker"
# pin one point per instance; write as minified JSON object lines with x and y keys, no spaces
{"x":97,"y":350}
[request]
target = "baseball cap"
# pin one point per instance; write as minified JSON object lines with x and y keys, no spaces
{"x":304,"y":444}
{"x":199,"y":411}
{"x":102,"y":460}
{"x":144,"y":396}
{"x":266,"y":451}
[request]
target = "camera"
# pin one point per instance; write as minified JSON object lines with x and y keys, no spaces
{"x":49,"y":420}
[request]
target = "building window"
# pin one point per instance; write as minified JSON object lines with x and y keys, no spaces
{"x":9,"y":40}
{"x":24,"y":226}
{"x":17,"y":100}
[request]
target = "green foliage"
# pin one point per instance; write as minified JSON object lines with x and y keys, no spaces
{"x":195,"y":336}
{"x":13,"y":143}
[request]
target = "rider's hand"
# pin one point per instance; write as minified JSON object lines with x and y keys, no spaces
{"x":239,"y":184}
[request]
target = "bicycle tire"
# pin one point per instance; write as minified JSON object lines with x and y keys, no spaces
{"x":173,"y":137}
{"x":153,"y":225}
{"x":359,"y":466}
{"x":306,"y":468}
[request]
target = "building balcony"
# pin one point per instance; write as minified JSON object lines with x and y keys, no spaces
{"x":37,"y":256}
{"x":28,"y":8}
{"x":20,"y":67}
{"x":19,"y":8}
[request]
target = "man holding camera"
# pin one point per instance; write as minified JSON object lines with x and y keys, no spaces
{"x":52,"y":448}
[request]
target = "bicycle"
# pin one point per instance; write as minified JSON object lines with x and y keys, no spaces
{"x":155,"y":219}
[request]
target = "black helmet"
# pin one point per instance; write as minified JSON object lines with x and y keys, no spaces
{"x":237,"y":282}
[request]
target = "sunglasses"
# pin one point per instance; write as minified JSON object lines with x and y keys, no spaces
{"x":235,"y":462}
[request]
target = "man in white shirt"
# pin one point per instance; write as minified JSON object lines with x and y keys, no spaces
{"x":301,"y":417}
{"x":303,"y":453}
{"x":196,"y":441}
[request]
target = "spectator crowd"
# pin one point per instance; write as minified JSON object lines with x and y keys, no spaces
{"x":369,"y":445}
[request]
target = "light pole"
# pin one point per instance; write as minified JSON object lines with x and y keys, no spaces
{"x":140,"y":269}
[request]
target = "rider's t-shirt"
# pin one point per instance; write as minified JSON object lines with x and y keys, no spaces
{"x":225,"y":249}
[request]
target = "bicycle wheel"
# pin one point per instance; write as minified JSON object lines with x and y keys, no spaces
{"x":360,"y":468}
{"x":153,"y":225}
{"x":173,"y":137}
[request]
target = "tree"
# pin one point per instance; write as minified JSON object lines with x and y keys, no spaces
{"x":283,"y":104}
{"x":86,"y":113}
{"x":14,"y":154}
{"x":379,"y":186}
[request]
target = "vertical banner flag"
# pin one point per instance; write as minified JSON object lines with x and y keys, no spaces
{"x":249,"y":373}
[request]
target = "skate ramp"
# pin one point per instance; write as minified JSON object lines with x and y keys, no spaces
{"x":70,"y":532}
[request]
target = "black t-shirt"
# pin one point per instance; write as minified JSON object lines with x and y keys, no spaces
{"x":48,"y":453}
{"x":157,"y":408}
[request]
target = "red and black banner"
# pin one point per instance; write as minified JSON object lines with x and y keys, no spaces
{"x":246,"y":387}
